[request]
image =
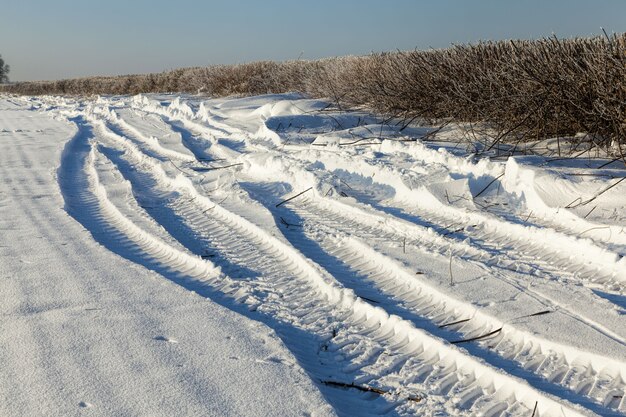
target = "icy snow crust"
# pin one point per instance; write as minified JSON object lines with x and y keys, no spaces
{"x":391,"y":250}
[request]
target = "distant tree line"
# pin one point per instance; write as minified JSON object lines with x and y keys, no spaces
{"x":521,"y":90}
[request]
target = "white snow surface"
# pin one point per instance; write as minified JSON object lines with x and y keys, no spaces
{"x":87,"y":332}
{"x":272,"y":255}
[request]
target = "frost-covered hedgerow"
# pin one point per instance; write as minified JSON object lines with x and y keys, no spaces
{"x":523,"y":90}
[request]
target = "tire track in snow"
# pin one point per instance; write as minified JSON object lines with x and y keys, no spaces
{"x":463,"y":167}
{"x":490,"y":233}
{"x":380,"y":226}
{"x":364,"y":327}
{"x":607,"y":237}
{"x":498,"y":250}
{"x":570,"y":377}
{"x":567,"y":372}
{"x":482,"y":247}
{"x":548,"y":248}
{"x":569,"y":381}
{"x":150,"y":144}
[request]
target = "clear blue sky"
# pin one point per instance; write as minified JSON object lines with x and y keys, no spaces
{"x":53,"y":39}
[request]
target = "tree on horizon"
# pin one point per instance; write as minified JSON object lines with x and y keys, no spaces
{"x":4,"y":71}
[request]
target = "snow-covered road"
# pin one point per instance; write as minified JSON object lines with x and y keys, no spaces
{"x":86,"y":332}
{"x":430,"y":282}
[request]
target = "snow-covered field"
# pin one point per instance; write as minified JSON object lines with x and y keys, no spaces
{"x":166,"y":255}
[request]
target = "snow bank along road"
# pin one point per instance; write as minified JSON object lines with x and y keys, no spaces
{"x":402,"y":277}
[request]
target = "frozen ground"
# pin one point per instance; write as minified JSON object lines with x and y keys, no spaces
{"x":271,"y":255}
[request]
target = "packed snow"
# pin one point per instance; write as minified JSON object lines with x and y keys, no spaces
{"x":275,"y":255}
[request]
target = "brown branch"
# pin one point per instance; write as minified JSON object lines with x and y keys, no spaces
{"x":291,"y":198}
{"x":488,"y":185}
{"x":365,"y":388}
{"x":484,"y":336}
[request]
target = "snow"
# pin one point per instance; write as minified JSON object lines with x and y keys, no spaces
{"x":248,"y":256}
{"x":83,"y":328}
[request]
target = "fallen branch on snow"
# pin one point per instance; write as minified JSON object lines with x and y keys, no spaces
{"x":291,"y":198}
{"x":365,"y":388}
